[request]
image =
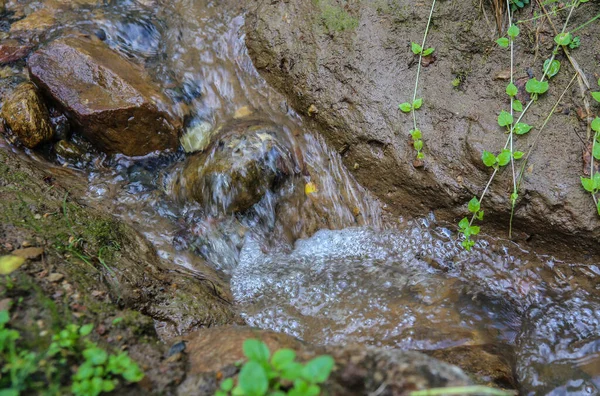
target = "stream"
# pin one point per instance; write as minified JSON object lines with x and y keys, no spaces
{"x":318,"y":257}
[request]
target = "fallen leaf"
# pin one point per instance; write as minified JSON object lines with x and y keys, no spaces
{"x":8,"y":264}
{"x":30,"y":253}
{"x":310,"y":188}
{"x":55,"y":277}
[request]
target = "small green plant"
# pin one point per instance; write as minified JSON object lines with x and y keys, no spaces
{"x":508,"y":154}
{"x":518,"y":4}
{"x":50,"y":371}
{"x":592,"y":184}
{"x":416,"y":103}
{"x":277,"y":375}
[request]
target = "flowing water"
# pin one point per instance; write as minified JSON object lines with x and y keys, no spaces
{"x":324,"y":265}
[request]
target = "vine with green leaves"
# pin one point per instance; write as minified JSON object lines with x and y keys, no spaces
{"x":416,"y":103}
{"x":507,"y":155}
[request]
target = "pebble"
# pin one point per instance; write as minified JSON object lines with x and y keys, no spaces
{"x":55,"y":277}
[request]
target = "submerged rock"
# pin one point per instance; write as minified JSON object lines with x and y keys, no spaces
{"x":237,"y":169}
{"x":358,"y":370}
{"x":12,"y":50}
{"x":27,"y":116}
{"x":113,"y":101}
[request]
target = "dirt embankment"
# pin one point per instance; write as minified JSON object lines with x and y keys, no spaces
{"x":346,"y":65}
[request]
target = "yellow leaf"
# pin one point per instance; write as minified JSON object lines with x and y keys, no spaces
{"x":310,"y":188}
{"x":9,"y":264}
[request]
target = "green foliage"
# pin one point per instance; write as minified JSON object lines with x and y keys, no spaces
{"x":511,"y":89}
{"x":417,"y":142}
{"x":279,"y":374}
{"x":49,"y":370}
{"x":551,"y":68}
{"x":575,"y":42}
{"x":502,"y":42}
{"x":505,"y":119}
{"x":563,"y":38}
{"x":521,"y":128}
{"x":518,"y":4}
{"x":418,"y":50}
{"x":535,"y":87}
{"x":517,"y":105}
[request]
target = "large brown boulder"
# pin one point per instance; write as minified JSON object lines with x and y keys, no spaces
{"x":112,"y":100}
{"x":26,"y":115}
{"x":347,"y":66}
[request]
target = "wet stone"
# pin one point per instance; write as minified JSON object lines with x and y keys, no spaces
{"x":249,"y":159}
{"x":113,"y":101}
{"x":12,"y":50}
{"x":27,"y":116}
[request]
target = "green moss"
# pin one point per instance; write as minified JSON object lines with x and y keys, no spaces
{"x":335,"y":18}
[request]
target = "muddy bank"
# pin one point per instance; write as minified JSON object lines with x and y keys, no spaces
{"x":347,"y":65}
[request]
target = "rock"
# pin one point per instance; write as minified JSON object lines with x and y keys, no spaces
{"x":12,"y":50}
{"x":27,"y":116}
{"x":31,"y":253}
{"x":55,"y":277}
{"x":248,"y":159}
{"x":68,"y":150}
{"x":485,"y":362}
{"x":112,"y":101}
{"x":358,"y":370}
{"x":37,"y":21}
{"x":355,"y":74}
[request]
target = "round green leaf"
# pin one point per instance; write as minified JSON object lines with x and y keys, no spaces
{"x":227,"y":385}
{"x":518,"y":154}
{"x":282,"y":357}
{"x":513,"y":31}
{"x":596,"y":96}
{"x":551,"y":68}
{"x":521,"y":128}
{"x":405,"y":107}
{"x":428,"y":51}
{"x":418,"y":144}
{"x":588,"y":184}
{"x":474,"y":205}
{"x":416,"y":48}
{"x":517,"y":105}
{"x":511,"y":89}
{"x":318,"y":369}
{"x":256,"y":350}
{"x":86,"y":329}
{"x":504,"y":119}
{"x":536,"y":87}
{"x":417,"y":103}
{"x":504,"y":157}
{"x":596,"y":124}
{"x":253,"y":379}
{"x":464,"y":223}
{"x":563,"y":38}
{"x":596,"y":151}
{"x":488,"y":158}
{"x":502,"y":42}
{"x":416,"y":134}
